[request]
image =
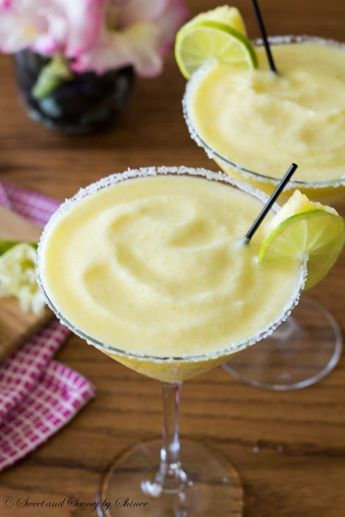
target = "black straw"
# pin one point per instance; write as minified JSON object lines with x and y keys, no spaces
{"x":264,"y":36}
{"x":270,"y":202}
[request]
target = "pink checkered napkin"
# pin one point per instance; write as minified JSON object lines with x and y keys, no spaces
{"x":21,"y":372}
{"x":4,"y":200}
{"x":32,"y":205}
{"x":58,"y":396}
{"x":37,"y":395}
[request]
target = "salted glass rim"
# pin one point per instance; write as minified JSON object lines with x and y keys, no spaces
{"x":147,"y":172}
{"x":213,"y":154}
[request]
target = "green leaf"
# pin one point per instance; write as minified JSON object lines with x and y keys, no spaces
{"x":6,"y":245}
{"x":51,"y":76}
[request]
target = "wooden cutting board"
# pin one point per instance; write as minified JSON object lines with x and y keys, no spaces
{"x":16,"y":324}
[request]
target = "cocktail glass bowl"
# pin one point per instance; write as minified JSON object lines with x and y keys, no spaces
{"x":309,"y":345}
{"x":158,"y":477}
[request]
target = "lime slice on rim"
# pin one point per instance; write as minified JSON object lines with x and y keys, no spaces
{"x":303,"y":227}
{"x":231,"y":16}
{"x":200,"y":41}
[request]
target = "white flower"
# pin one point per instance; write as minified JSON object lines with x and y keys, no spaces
{"x":18,"y":277}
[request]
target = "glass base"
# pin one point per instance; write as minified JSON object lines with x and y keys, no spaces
{"x":302,"y":351}
{"x":212,"y":486}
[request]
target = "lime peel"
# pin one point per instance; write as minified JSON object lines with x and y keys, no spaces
{"x":231,"y":16}
{"x":205,"y":38}
{"x":313,"y":229}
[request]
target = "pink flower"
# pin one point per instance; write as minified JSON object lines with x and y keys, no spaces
{"x":135,"y":32}
{"x":96,"y":35}
{"x":50,"y":26}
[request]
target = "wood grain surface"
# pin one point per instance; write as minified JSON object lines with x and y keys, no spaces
{"x":289,"y":448}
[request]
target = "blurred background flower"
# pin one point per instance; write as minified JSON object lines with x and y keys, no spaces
{"x":76,"y":37}
{"x":50,"y":26}
{"x":135,"y":32}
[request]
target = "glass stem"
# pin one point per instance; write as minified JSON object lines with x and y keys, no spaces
{"x":171,"y":477}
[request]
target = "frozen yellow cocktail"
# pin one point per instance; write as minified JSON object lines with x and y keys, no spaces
{"x":151,"y":267}
{"x":154,"y":271}
{"x":252,"y":122}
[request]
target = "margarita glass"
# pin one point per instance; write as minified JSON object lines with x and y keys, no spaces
{"x":308,"y":346}
{"x":159,"y":476}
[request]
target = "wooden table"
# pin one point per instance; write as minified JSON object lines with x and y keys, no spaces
{"x":299,"y":469}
